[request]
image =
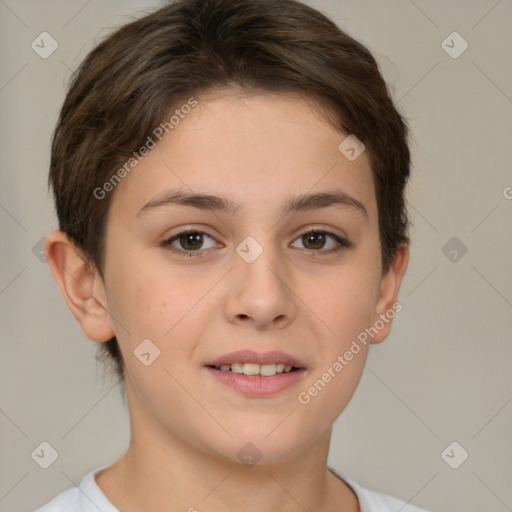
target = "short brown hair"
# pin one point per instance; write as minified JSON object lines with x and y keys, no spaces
{"x":128,"y":84}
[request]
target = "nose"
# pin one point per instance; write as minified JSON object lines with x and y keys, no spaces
{"x":261,"y":292}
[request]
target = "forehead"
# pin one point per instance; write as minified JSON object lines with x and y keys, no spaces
{"x":257,"y":148}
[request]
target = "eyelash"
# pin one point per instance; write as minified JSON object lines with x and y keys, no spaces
{"x":343,"y":243}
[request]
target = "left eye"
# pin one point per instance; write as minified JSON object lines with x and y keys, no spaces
{"x":317,"y":239}
{"x":192,"y":241}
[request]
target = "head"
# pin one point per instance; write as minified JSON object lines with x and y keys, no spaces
{"x":221,"y":99}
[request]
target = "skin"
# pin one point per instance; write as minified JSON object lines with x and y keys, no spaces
{"x":186,"y":427}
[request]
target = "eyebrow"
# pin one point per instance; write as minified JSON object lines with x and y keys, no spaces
{"x":299,"y":203}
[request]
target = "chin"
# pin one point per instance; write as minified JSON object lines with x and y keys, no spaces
{"x":258,"y":445}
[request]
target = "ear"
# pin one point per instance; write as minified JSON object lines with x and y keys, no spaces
{"x":388,"y":296}
{"x":80,"y":284}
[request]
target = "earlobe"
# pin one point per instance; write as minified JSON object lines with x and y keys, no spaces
{"x":387,"y":303}
{"x":81,"y":286}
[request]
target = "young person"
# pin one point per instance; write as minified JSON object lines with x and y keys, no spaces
{"x":229,"y":181}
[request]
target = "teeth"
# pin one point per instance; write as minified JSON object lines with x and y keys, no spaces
{"x":267,"y":370}
{"x":251,"y":369}
{"x":236,"y":367}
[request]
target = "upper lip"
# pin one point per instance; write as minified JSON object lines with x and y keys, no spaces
{"x":249,"y":356}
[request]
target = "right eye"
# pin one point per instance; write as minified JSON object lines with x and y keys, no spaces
{"x":190,"y":241}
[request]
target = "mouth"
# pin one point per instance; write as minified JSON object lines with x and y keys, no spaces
{"x":257,"y":374}
{"x":265,"y":370}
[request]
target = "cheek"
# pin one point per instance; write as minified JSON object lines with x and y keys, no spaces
{"x":147,"y":297}
{"x":343,"y":302}
{"x":329,"y":393}
{"x":342,"y":357}
{"x":344,"y":306}
{"x":160,"y":396}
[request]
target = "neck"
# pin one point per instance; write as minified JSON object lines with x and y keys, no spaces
{"x":160,"y":471}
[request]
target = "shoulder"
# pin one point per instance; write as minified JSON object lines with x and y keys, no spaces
{"x":65,"y":501}
{"x":86,"y":497}
{"x":372,"y":501}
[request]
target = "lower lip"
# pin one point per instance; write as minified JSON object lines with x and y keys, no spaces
{"x":257,"y":385}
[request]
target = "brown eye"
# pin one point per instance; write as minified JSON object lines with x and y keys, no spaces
{"x":191,"y":241}
{"x":315,"y":241}
{"x":188,"y":243}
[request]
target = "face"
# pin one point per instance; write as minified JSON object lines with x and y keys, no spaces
{"x":293,"y":285}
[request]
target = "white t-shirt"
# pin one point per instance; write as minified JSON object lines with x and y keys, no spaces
{"x":88,"y":497}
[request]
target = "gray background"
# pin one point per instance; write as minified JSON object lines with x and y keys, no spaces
{"x":443,"y":375}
